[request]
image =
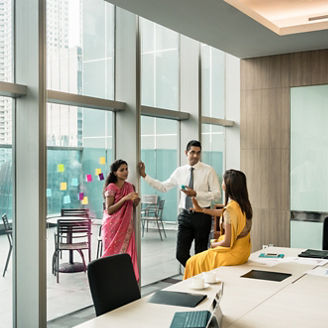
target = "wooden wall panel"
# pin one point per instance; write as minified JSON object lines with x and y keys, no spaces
{"x":265,"y":136}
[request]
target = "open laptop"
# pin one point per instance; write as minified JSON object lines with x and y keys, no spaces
{"x":201,"y":319}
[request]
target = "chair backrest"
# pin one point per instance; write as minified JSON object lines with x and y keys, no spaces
{"x":75,"y":228}
{"x":149,"y":199}
{"x":112,"y":282}
{"x":6,"y":223}
{"x":83,"y":212}
{"x":325,"y":234}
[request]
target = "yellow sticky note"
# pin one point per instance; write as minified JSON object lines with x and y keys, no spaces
{"x":63,"y":186}
{"x":98,"y":171}
{"x":60,"y":168}
{"x":85,"y":200}
{"x":102,"y":160}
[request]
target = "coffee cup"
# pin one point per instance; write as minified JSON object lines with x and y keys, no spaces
{"x":198,"y":283}
{"x":210,"y":277}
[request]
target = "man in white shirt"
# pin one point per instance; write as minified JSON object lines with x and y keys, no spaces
{"x":198,"y":180}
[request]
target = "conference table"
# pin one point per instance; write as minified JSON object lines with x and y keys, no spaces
{"x":301,"y":300}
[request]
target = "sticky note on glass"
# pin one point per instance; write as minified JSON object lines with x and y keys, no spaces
{"x":60,"y":168}
{"x":102,"y":160}
{"x":98,"y":171}
{"x":63,"y":186}
{"x":101,"y":176}
{"x":75,"y":182}
{"x":67,"y":199}
{"x":81,"y":195}
{"x":85,"y":200}
{"x":88,"y":177}
{"x":49,"y":193}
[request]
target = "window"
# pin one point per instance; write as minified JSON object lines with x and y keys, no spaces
{"x":213,"y":145}
{"x":213,"y":82}
{"x":159,"y":66}
{"x":80,"y":47}
{"x":78,"y":155}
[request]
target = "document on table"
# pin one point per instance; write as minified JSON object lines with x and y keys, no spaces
{"x":306,"y":260}
{"x":319,"y":271}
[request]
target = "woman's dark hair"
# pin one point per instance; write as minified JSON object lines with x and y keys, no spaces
{"x":236,"y":189}
{"x":111,"y":177}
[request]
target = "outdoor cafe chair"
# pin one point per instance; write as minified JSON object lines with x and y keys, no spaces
{"x":9,"y":233}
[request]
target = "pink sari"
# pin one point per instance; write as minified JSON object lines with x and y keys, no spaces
{"x":118,"y":229}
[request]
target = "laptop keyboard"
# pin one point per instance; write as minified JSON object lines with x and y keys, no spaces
{"x":195,"y":319}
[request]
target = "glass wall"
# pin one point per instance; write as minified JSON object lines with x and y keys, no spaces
{"x":78,"y":156}
{"x":80,"y":47}
{"x":6,"y":176}
{"x":213,"y":82}
{"x":159,"y":66}
{"x":159,"y":152}
{"x":213,"y":143}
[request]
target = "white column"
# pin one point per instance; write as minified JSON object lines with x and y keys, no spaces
{"x":30,"y":157}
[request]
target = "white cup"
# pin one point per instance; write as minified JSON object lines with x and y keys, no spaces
{"x":198,"y":283}
{"x":210,"y":277}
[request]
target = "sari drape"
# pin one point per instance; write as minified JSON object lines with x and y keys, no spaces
{"x":236,"y":254}
{"x":117,"y":230}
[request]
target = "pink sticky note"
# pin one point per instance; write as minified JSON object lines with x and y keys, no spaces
{"x":101,"y":176}
{"x":81,"y":195}
{"x":88,"y":177}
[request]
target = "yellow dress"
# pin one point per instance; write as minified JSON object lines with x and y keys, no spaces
{"x":236,"y":254}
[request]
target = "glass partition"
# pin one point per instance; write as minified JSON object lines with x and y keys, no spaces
{"x":80,"y":47}
{"x":213,"y":143}
{"x":308,"y":165}
{"x":78,"y":156}
{"x":213,"y":82}
{"x":159,"y":144}
{"x":159,"y":66}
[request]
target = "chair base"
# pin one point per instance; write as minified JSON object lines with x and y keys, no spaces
{"x":71,"y":267}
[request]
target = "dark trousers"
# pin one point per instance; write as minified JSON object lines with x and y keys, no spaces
{"x":192,"y":226}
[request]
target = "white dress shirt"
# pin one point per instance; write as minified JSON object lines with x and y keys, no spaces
{"x":206,"y":183}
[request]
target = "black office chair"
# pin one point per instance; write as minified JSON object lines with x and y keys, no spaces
{"x":112,"y":282}
{"x":9,"y":233}
{"x":325,"y":234}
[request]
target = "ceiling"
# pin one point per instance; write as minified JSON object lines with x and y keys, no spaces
{"x":222,"y":26}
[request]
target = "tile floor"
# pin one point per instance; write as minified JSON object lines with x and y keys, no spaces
{"x":75,"y":286}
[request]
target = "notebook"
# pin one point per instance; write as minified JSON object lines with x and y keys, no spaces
{"x":266,"y":275}
{"x":177,"y":298}
{"x":200,"y":319}
{"x":314,"y":253}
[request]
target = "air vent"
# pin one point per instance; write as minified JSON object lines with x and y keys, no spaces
{"x":317,"y":18}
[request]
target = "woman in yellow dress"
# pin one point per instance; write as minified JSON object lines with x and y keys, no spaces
{"x":233,"y":246}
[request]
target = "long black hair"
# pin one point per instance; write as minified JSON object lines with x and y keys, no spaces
{"x":236,"y":189}
{"x":111,"y":177}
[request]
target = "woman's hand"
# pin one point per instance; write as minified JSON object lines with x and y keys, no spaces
{"x":131,"y":196}
{"x":196,"y":207}
{"x":136,"y":201}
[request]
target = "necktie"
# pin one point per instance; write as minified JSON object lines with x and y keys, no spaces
{"x":190,"y":185}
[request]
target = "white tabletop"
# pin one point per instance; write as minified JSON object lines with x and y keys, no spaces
{"x":241,"y":296}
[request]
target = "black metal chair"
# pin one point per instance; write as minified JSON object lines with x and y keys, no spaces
{"x":9,"y":233}
{"x":112,"y":282}
{"x":72,"y":235}
{"x":153,"y":211}
{"x":83,"y":212}
{"x":325,"y":234}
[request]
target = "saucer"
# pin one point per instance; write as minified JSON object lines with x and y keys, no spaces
{"x":206,"y":285}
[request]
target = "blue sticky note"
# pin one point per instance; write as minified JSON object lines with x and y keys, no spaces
{"x":49,"y":193}
{"x":67,"y":199}
{"x":75,"y":182}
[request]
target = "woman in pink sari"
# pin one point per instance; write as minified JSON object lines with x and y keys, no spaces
{"x":118,"y":228}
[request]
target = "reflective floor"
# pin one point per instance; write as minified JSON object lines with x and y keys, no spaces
{"x":72,"y":293}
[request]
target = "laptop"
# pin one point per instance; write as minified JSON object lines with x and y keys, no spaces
{"x":200,"y":319}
